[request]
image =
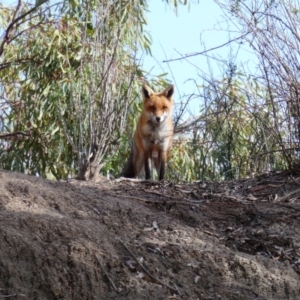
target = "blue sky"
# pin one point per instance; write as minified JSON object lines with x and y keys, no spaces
{"x":185,"y":33}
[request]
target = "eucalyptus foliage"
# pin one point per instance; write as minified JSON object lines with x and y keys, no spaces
{"x":67,"y":76}
{"x":234,"y":135}
{"x":270,"y":28}
{"x":70,"y":96}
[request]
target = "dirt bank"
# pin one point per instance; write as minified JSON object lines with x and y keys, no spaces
{"x":149,"y":240}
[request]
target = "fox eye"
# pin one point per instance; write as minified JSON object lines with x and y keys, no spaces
{"x":152,"y":107}
{"x":164,"y":107}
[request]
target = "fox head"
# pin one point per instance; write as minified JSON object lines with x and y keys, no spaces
{"x":158,"y":106}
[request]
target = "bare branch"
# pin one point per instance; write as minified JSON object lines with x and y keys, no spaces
{"x":206,"y":51}
{"x":14,"y":134}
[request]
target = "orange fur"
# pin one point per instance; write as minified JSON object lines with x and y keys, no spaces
{"x":154,"y":133}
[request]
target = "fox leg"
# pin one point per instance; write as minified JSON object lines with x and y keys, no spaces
{"x":147,"y":162}
{"x":156,"y":163}
{"x":161,"y":165}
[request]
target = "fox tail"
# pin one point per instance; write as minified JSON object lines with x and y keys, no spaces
{"x":128,"y":170}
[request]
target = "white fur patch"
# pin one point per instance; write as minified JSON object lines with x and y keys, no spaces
{"x":154,"y":154}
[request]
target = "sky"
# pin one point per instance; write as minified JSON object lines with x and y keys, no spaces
{"x":194,"y":29}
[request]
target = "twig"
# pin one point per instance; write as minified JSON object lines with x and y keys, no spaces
{"x":289,"y":195}
{"x":295,"y":180}
{"x":12,"y":295}
{"x":287,"y":206}
{"x":293,"y":216}
{"x":145,"y":270}
{"x":135,"y":198}
{"x":7,"y":135}
{"x":180,"y":201}
{"x":205,"y":51}
{"x":112,"y":283}
{"x":6,"y":38}
{"x":221,"y":196}
{"x":131,"y":179}
{"x":158,"y":193}
{"x":177,"y":200}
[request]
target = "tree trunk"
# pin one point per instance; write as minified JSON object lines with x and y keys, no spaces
{"x":90,"y":172}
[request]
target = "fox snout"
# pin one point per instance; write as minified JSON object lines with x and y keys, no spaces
{"x":158,"y":119}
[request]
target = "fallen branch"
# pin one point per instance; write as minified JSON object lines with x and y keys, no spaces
{"x":111,"y":281}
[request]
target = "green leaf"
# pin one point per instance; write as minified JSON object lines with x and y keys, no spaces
{"x":54,"y":130}
{"x":40,"y":2}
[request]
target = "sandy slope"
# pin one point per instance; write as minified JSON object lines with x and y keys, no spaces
{"x":125,"y":240}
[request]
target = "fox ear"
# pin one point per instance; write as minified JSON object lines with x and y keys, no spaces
{"x":147,"y":92}
{"x":169,"y":91}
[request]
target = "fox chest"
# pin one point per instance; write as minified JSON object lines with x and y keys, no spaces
{"x":156,"y":138}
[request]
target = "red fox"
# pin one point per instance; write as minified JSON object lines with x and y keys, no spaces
{"x":153,"y":136}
